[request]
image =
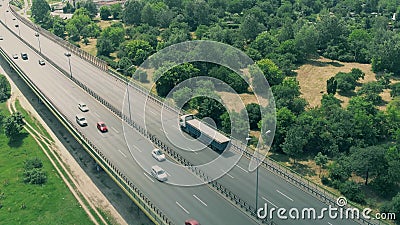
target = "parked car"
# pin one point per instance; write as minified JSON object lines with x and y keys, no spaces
{"x":158,"y":155}
{"x":192,"y":222}
{"x":41,"y":62}
{"x":15,"y":56}
{"x":83,"y":107}
{"x":1,"y":38}
{"x":102,"y":126}
{"x":81,"y":120}
{"x":158,"y":173}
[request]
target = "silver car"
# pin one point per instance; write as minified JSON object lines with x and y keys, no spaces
{"x":81,"y":120}
{"x":158,"y":173}
{"x":158,"y":155}
{"x":83,"y":107}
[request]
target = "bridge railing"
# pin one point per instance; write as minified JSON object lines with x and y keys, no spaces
{"x":101,"y":64}
{"x":289,"y":175}
{"x":151,"y":210}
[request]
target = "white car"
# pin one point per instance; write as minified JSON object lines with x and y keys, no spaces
{"x":158,"y":155}
{"x":158,"y":173}
{"x":83,"y":107}
{"x":81,"y":120}
{"x":15,"y":56}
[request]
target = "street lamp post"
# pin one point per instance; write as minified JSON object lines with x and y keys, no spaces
{"x":37,"y":35}
{"x":127,"y":91}
{"x":68,"y":54}
{"x":266,"y":133}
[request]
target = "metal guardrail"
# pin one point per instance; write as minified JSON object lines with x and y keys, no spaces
{"x":101,"y":64}
{"x":155,"y":214}
{"x":289,"y":175}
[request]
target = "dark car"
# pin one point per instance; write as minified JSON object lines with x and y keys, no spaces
{"x":102,"y":127}
{"x":24,"y":56}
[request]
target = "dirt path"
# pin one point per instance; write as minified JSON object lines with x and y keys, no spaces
{"x":81,"y":182}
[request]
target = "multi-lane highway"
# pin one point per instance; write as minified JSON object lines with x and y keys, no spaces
{"x":178,"y":203}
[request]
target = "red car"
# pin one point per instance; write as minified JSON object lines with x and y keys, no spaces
{"x":191,"y":222}
{"x":102,"y":127}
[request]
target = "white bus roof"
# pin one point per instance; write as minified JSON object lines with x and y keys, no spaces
{"x":204,"y":128}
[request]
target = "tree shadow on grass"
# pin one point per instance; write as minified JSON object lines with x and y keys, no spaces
{"x":323,"y":64}
{"x":348,"y":94}
{"x":18,"y":140}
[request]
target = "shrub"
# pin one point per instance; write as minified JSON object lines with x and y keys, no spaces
{"x":352,"y":191}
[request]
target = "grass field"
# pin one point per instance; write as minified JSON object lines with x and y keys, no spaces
{"x":51,"y":203}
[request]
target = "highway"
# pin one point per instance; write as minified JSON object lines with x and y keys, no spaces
{"x":179,"y":203}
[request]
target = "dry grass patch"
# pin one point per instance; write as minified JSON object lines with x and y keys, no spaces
{"x":89,"y":48}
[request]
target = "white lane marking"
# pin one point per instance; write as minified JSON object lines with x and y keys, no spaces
{"x":97,"y":115}
{"x":182,"y":207}
{"x":199,"y":200}
{"x":285,"y":195}
{"x":122,"y":153}
{"x":165,"y":132}
{"x":227,"y":174}
{"x":154,"y":113}
{"x":148,"y":177}
{"x":269,"y":202}
{"x":116,"y":131}
{"x":242,"y":168}
{"x":167,"y":173}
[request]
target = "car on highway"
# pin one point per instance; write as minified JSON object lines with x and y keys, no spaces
{"x":158,"y":155}
{"x":83,"y":107}
{"x":15,"y":56}
{"x":24,"y":56}
{"x":192,"y":222}
{"x":101,"y":126}
{"x":158,"y":173}
{"x":81,"y":120}
{"x":41,"y":62}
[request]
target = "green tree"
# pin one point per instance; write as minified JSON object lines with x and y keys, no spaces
{"x":321,"y":161}
{"x":166,"y":80}
{"x":284,"y":121}
{"x":39,"y":9}
{"x":116,"y":10}
{"x":294,"y":142}
{"x":306,"y":41}
{"x":368,"y":162}
{"x":35,"y":176}
{"x":13,"y":125}
{"x":182,"y":96}
{"x":331,"y":85}
{"x":250,"y":27}
{"x":271,"y":72}
{"x":137,"y":50}
{"x":359,"y":41}
{"x":33,"y":163}
{"x":104,"y":47}
{"x":233,"y":123}
{"x":5,"y":89}
{"x":105,"y":12}
{"x":393,"y":207}
{"x":58,"y":27}
{"x":90,"y":6}
{"x":254,"y":114}
{"x":395,"y":90}
{"x":131,"y":13}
